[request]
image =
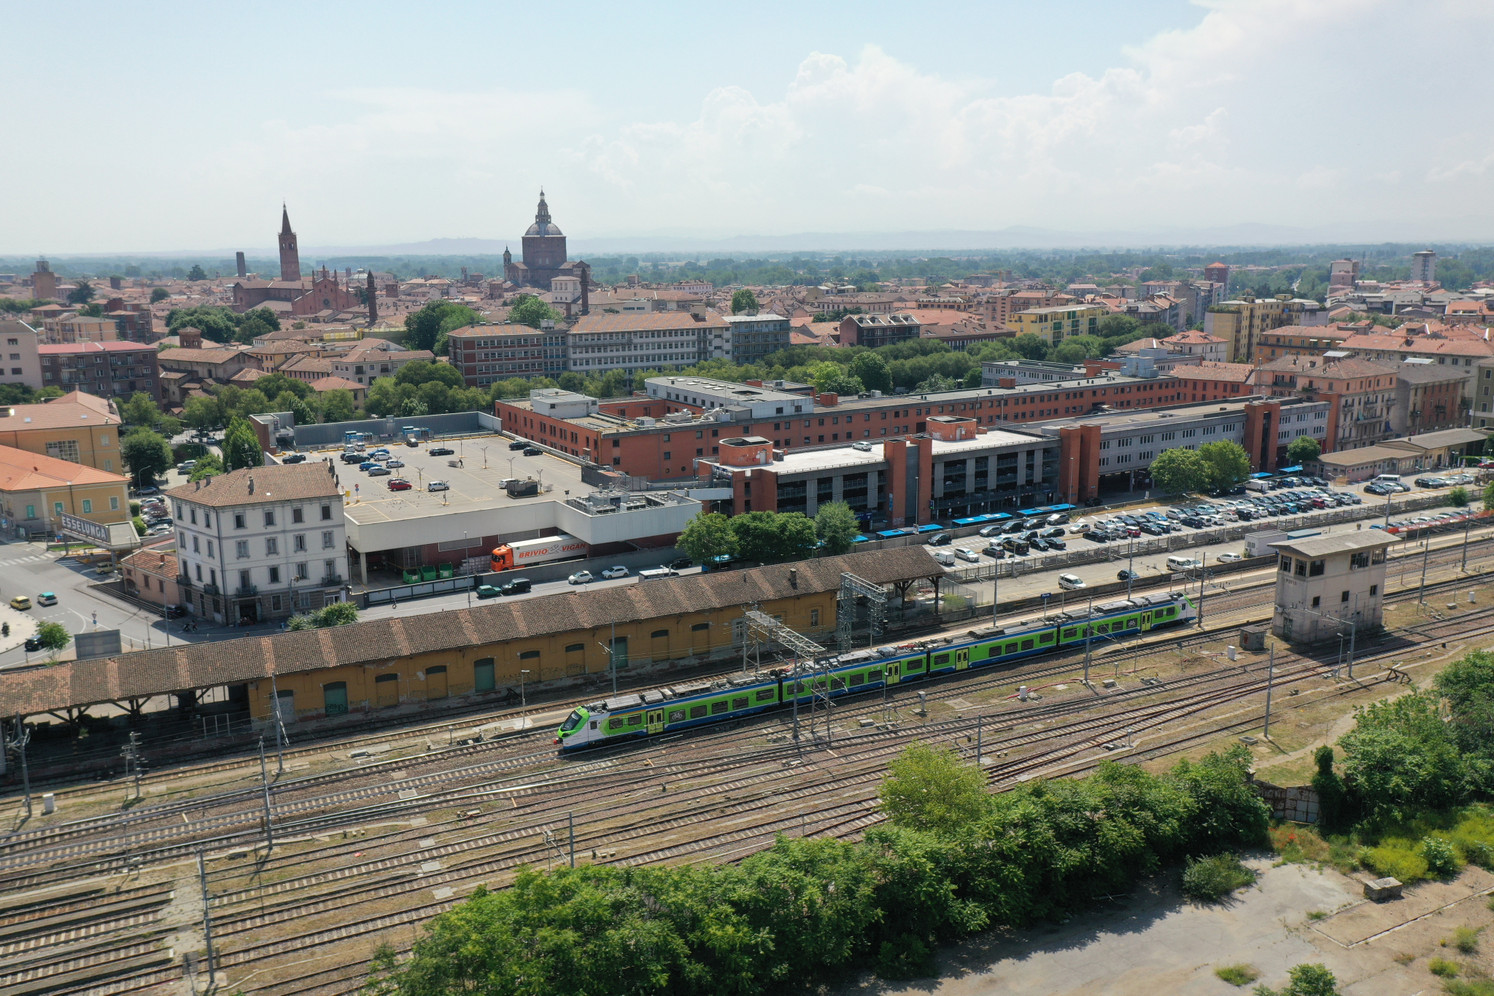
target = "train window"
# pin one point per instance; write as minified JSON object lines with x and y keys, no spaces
{"x":676,"y":715}
{"x":941,"y":660}
{"x":1045,"y":638}
{"x":765,"y":694}
{"x":1068,"y":634}
{"x":635,"y":720}
{"x":1026,"y":644}
{"x":858,"y":679}
{"x":696,"y":712}
{"x":615,"y":723}
{"x":875,"y":674}
{"x":719,"y":707}
{"x":798,"y":688}
{"x":1011,"y":648}
{"x":1103,"y":628}
{"x":593,"y":724}
{"x":740,"y":703}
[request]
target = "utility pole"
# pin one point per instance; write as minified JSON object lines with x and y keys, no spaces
{"x":1130,"y":563}
{"x":1270,"y":674}
{"x":1089,"y":632}
{"x":207,"y":921}
{"x":264,"y":778}
{"x":1467,"y":525}
{"x":570,"y":819}
{"x":131,"y":754}
{"x":19,"y":742}
{"x":1426,"y":552}
{"x":279,"y":731}
{"x":1353,"y":632}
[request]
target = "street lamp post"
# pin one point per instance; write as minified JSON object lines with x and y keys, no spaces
{"x":1130,"y":564}
{"x":523,"y":701}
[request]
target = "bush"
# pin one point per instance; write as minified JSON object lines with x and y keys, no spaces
{"x":1237,"y":975}
{"x":1469,"y":987}
{"x":1465,"y":939}
{"x":1305,"y":980}
{"x":1442,"y":967}
{"x":139,"y":524}
{"x":1441,"y":858}
{"x":1208,"y":880}
{"x":1396,"y":859}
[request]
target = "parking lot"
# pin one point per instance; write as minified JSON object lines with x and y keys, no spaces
{"x":473,"y":474}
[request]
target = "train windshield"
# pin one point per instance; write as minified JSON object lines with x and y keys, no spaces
{"x":572,"y":721}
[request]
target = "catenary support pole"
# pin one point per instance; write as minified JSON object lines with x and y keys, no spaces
{"x":207,"y":921}
{"x":264,"y":778}
{"x":1270,"y":675}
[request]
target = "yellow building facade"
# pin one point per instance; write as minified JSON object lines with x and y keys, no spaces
{"x":1240,"y":323}
{"x":77,"y":427}
{"x":1055,"y":324}
{"x":36,"y":491}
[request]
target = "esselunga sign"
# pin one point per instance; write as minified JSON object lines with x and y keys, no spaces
{"x":114,"y":535}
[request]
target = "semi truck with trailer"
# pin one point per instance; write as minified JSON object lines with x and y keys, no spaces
{"x":522,"y":553}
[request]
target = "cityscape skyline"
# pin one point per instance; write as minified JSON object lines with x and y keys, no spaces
{"x":1088,"y":124}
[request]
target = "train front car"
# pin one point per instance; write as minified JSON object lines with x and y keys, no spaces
{"x":1188,"y":611}
{"x":578,"y":730}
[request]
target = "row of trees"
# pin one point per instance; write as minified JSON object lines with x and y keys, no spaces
{"x":1212,"y":467}
{"x":769,"y":537}
{"x":952,"y":860}
{"x":223,"y":325}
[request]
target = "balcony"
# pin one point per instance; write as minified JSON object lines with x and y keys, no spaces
{"x":184,"y":581}
{"x":331,"y":579}
{"x":210,"y":589}
{"x":246,"y":590}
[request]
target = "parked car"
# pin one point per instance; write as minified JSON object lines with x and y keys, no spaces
{"x":441,"y":451}
{"x":580,"y":577}
{"x":966,"y":554}
{"x":293,"y":458}
{"x":618,"y":571}
{"x":20,"y":603}
{"x":487,"y":591}
{"x":352,"y":457}
{"x":399,"y":484}
{"x":940,"y":539}
{"x":379,"y":451}
{"x":532,"y":451}
{"x":1124,"y":575}
{"x":518,"y":444}
{"x":680,"y":563}
{"x":394,"y":463}
{"x":1229,"y":558}
{"x":175,"y":611}
{"x":516,"y":587}
{"x":368,"y":465}
{"x":992,"y":530}
{"x":438,"y":486}
{"x":379,"y":470}
{"x":1070,"y":582}
{"x":46,"y":598}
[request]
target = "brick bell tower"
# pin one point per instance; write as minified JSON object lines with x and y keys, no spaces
{"x":290,"y":257}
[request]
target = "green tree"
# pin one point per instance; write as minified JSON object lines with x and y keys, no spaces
{"x":872,"y":371}
{"x":1304,"y":450}
{"x":1489,"y":497}
{"x":196,"y":273}
{"x":1180,"y":471}
{"x":241,"y":446}
{"x":337,"y":406}
{"x":1458,"y":497}
{"x":929,"y":788}
{"x":336,"y":614}
{"x":1228,"y":464}
{"x":1401,"y":758}
{"x":52,"y":636}
{"x":91,"y":311}
{"x":835,"y":379}
{"x":836,"y":526}
{"x":139,"y":409}
{"x":208,"y":465}
{"x":216,"y":323}
{"x":1030,"y":346}
{"x":203,"y":412}
{"x":770,"y":537}
{"x":707,"y":536}
{"x":146,"y":453}
{"x":744,"y":302}
{"x":530,"y":310}
{"x":1467,"y":685}
{"x":81,"y":294}
{"x":159,"y":294}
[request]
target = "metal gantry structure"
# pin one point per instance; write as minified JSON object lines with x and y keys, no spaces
{"x":853,"y":588}
{"x":810,"y":663}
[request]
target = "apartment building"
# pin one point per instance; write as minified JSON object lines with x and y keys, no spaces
{"x":1055,"y":324}
{"x":597,"y":343}
{"x":486,"y":353}
{"x":752,"y":338}
{"x":261,"y":543}
{"x":115,"y":369}
{"x":21,"y":361}
{"x":1361,"y":392}
{"x":371,"y":359}
{"x":878,"y":330}
{"x":1301,"y":340}
{"x":1458,"y":347}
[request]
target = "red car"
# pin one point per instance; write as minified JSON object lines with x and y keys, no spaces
{"x":399,"y":484}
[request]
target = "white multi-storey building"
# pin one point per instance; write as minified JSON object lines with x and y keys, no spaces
{"x":261,"y":543}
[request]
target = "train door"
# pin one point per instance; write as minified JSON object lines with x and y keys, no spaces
{"x":962,"y":658}
{"x":1146,"y":621}
{"x":655,"y":720}
{"x":893,"y":671}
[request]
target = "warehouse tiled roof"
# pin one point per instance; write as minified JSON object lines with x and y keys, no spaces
{"x":201,"y":665}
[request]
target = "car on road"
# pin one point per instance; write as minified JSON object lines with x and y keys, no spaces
{"x":1127,"y":576}
{"x":487,"y":591}
{"x":33,"y":644}
{"x":1070,"y":582}
{"x":940,"y":539}
{"x":149,"y":489}
{"x":440,"y":451}
{"x":618,"y":571}
{"x":966,"y":554}
{"x":175,"y":611}
{"x":991,"y":530}
{"x":394,"y":463}
{"x":1229,"y":558}
{"x":185,"y":467}
{"x":532,"y":451}
{"x":293,"y":458}
{"x":517,"y":586}
{"x":379,"y":470}
{"x":580,"y":577}
{"x":46,"y":598}
{"x":21,"y":603}
{"x":399,"y":484}
{"x":518,"y":444}
{"x":680,"y":564}
{"x":438,"y":486}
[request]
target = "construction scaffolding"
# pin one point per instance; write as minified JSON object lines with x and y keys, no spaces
{"x":853,"y":590}
{"x":809,"y":669}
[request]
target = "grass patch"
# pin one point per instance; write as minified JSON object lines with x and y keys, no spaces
{"x":1316,"y":915}
{"x":1210,"y":879}
{"x":1396,"y":857}
{"x":1237,"y":975}
{"x":1465,"y":939}
{"x":1442,"y":968}
{"x":1469,"y":987}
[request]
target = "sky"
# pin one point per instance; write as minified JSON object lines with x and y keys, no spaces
{"x":173,"y":127}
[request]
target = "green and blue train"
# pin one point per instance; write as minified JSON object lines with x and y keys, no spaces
{"x":681,"y":707}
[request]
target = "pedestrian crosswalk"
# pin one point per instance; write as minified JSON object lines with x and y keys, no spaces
{"x":33,"y":559}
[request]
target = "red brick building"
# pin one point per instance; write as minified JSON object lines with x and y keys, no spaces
{"x":114,"y":369}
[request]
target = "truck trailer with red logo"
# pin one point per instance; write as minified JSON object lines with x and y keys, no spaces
{"x":522,"y":553}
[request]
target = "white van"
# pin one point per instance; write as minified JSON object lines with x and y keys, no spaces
{"x":1182,"y":564}
{"x":944,"y":557}
{"x":1257,"y":486}
{"x":1389,"y":479}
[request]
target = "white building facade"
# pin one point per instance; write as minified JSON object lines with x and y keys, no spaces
{"x":261,"y":543}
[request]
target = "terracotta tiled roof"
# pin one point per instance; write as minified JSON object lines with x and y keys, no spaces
{"x":297,"y":482}
{"x":336,"y":384}
{"x":199,"y":665}
{"x":1238,"y":373}
{"x":646,"y":321}
{"x":21,"y":470}
{"x":64,"y":412}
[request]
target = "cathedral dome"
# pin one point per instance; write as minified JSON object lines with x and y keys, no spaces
{"x":542,"y":223}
